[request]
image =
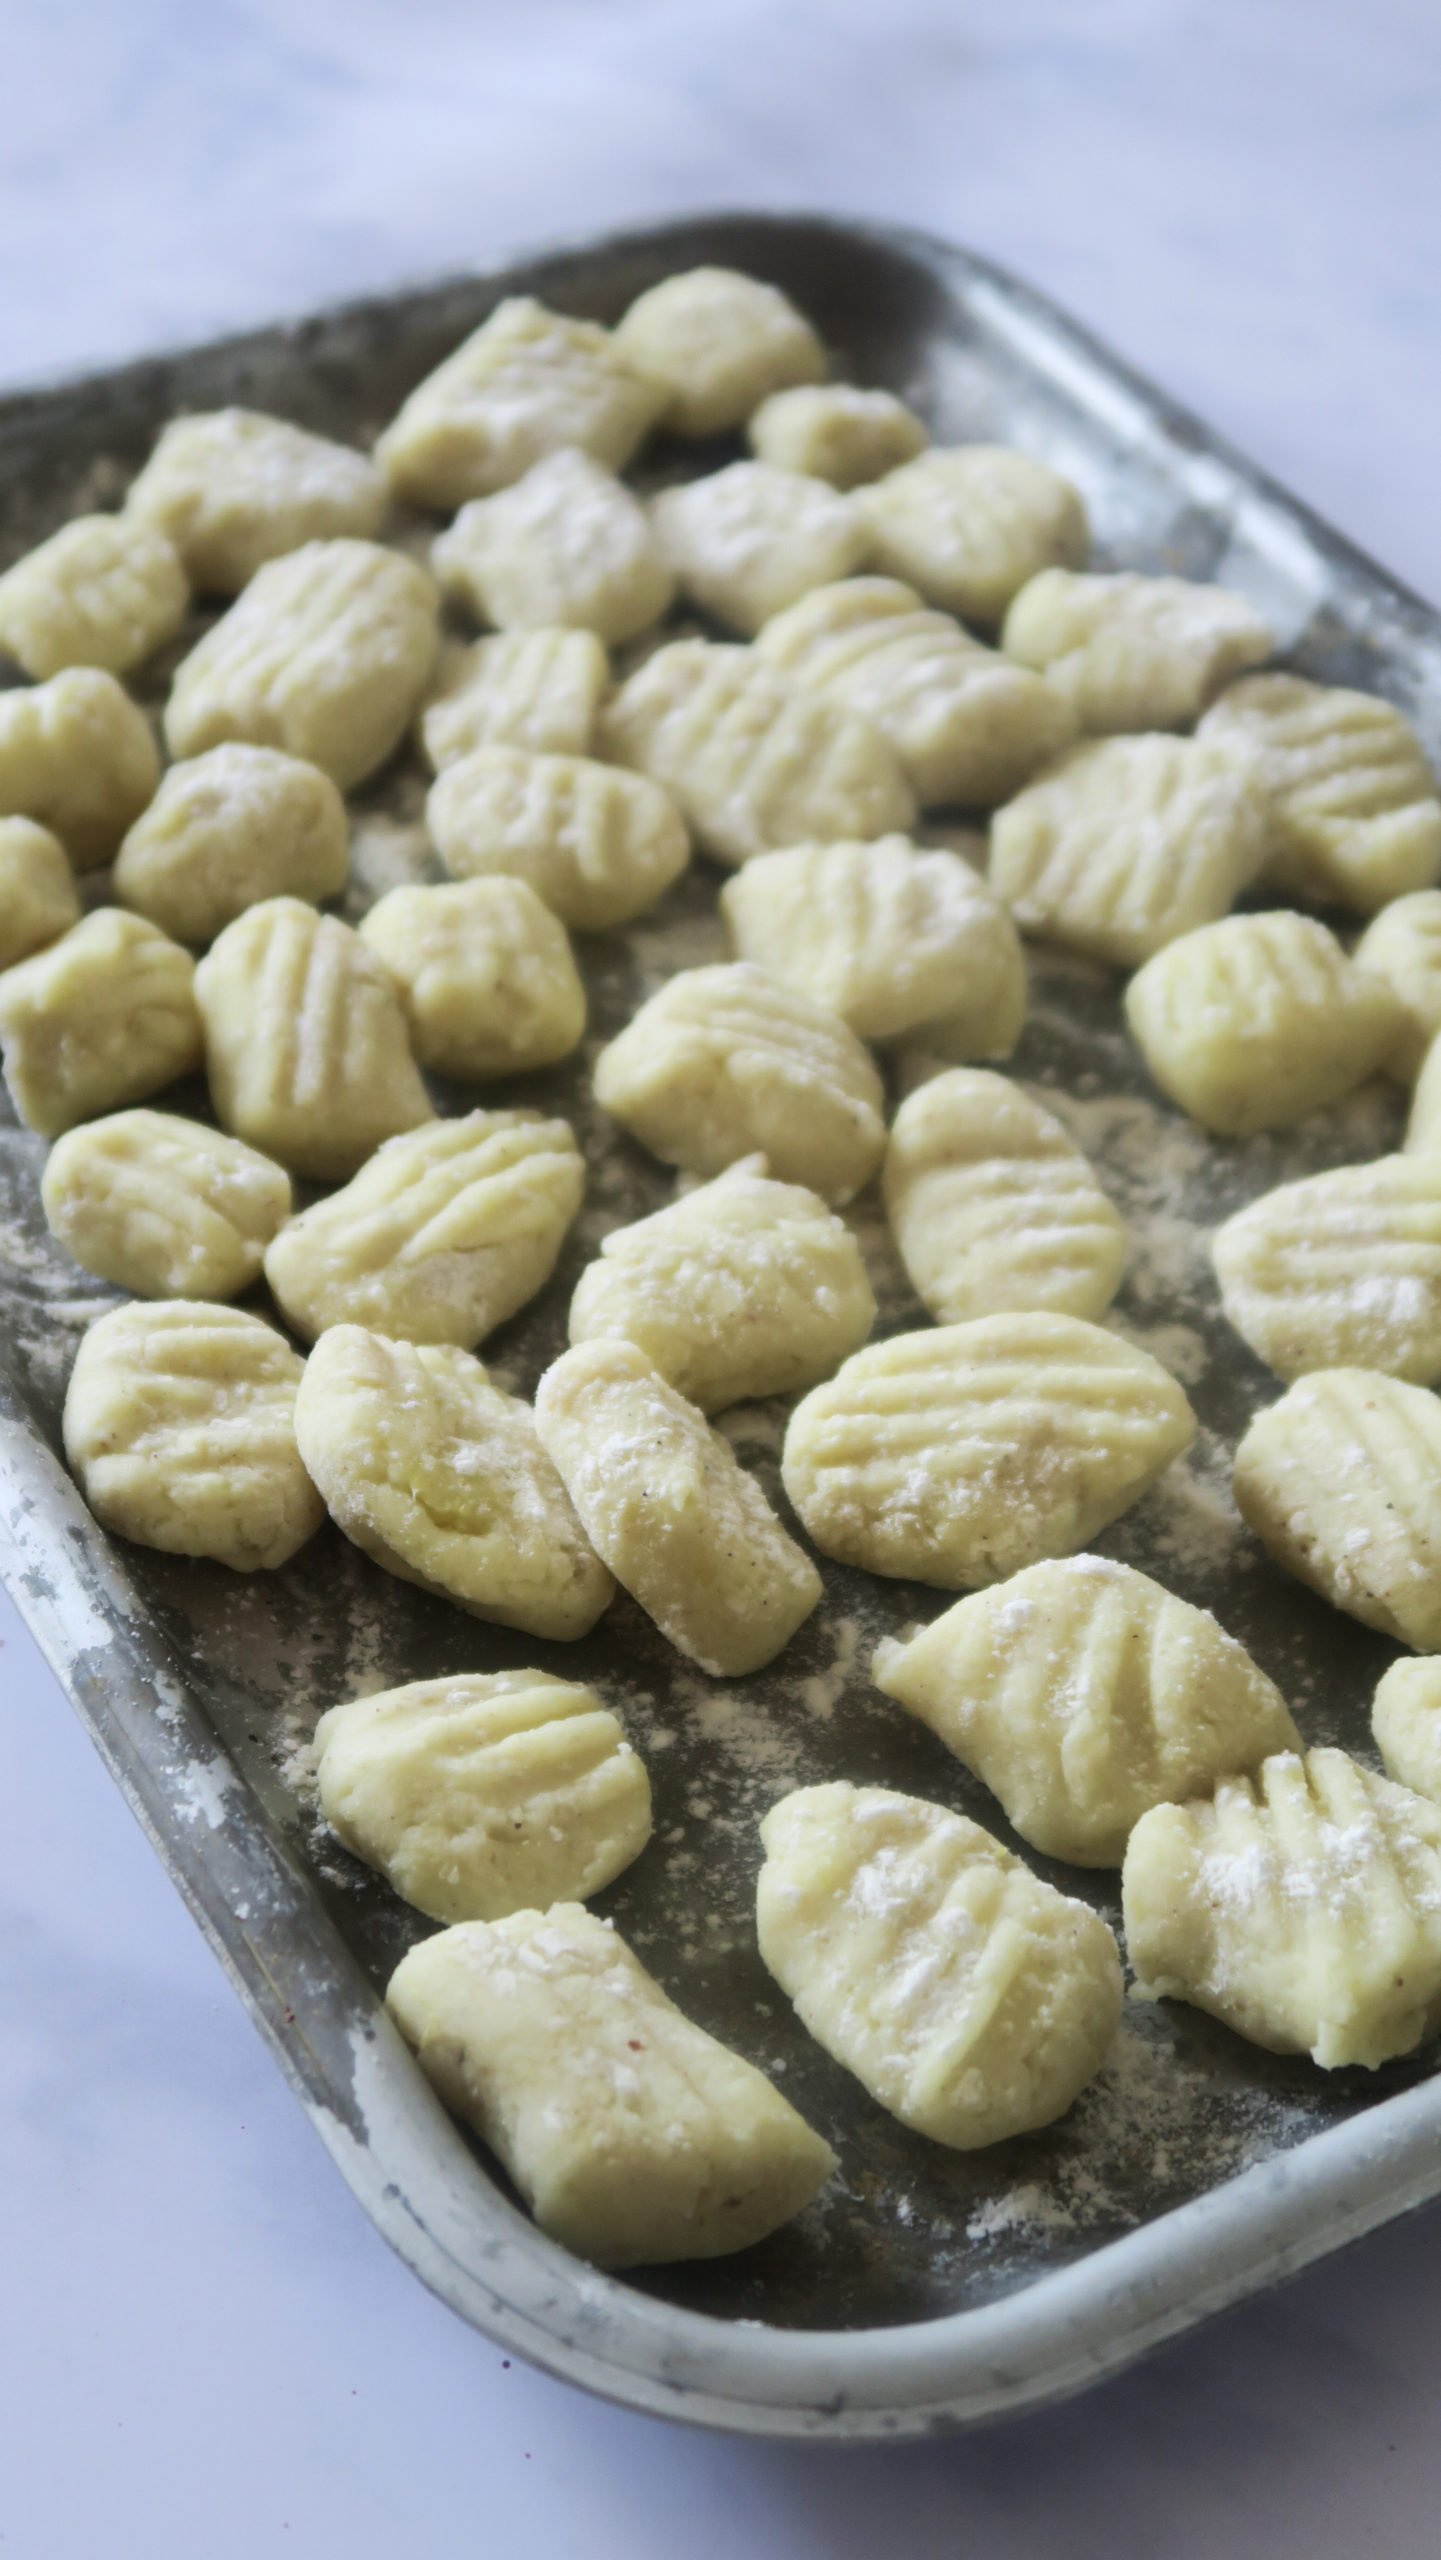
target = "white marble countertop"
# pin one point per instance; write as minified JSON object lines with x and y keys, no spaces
{"x":209,"y":2355}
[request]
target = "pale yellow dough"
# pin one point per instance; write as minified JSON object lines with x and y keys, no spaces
{"x":1341,"y":1482}
{"x":541,"y":690}
{"x":234,"y":488}
{"x":163,"y":1207}
{"x":971,"y":2000}
{"x":103,"y":1017}
{"x":834,"y":431}
{"x":1126,"y":652}
{"x":1355,"y":817}
{"x":485,"y":972}
{"x":566,"y":545}
{"x":1341,"y":1271}
{"x":970,"y":524}
{"x":718,"y":343}
{"x":225,"y":831}
{"x":38,"y":897}
{"x":1402,"y":947}
{"x":104,"y":591}
{"x":1406,"y":1724}
{"x":597,"y":846}
{"x":746,"y":542}
{"x":76,"y":756}
{"x":1423,"y":1127}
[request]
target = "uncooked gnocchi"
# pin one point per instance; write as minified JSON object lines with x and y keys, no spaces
{"x":104,"y":591}
{"x":77,"y":756}
{"x":834,"y":431}
{"x":163,"y":1207}
{"x":1402,"y":946}
{"x":225,"y":831}
{"x":566,"y":545}
{"x":103,"y":1017}
{"x":597,"y":846}
{"x":485,"y":973}
{"x":540,"y":690}
{"x":1341,"y":1482}
{"x":1126,"y":652}
{"x":233,"y":488}
{"x":1341,"y":1271}
{"x":971,"y":524}
{"x":1406,"y":1724}
{"x":38,"y":900}
{"x":1355,"y":818}
{"x":746,"y":542}
{"x":719,"y":343}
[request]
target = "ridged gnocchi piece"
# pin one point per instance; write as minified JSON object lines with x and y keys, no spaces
{"x":76,"y":756}
{"x":485,"y":973}
{"x":1341,"y":1482}
{"x":487,"y":1793}
{"x":670,"y":1510}
{"x":1252,"y":1022}
{"x":1341,"y":1271}
{"x":439,"y":1477}
{"x":1402,"y":946}
{"x":719,"y":343}
{"x":444,"y":1233}
{"x":103,"y":1017}
{"x":38,"y":899}
{"x":834,"y":431}
{"x":994,"y":1207}
{"x":1126,"y":652}
{"x":567,"y":544}
{"x":746,"y":542}
{"x":971,"y":2000}
{"x":751,"y":759}
{"x":1124,"y":844}
{"x":967,"y":725}
{"x":325,"y":655}
{"x":104,"y":591}
{"x":969,"y":525}
{"x":522,"y":385}
{"x":540,"y":690}
{"x":227,"y":830}
{"x":1082,"y":1693}
{"x":1302,"y":1906}
{"x":1423,"y":1126}
{"x":233,"y":488}
{"x":741,"y":1289}
{"x":163,"y":1207}
{"x":1355,"y":817}
{"x":180,"y":1424}
{"x":958,"y":1456}
{"x":305,"y":1040}
{"x":1406,"y":1724}
{"x":901,"y":943}
{"x":633,"y":2136}
{"x":598,"y":847}
{"x":729,"y":1062}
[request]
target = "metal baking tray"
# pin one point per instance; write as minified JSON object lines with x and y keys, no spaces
{"x":926,"y":2289}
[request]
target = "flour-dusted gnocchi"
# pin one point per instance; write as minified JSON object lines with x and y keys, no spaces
{"x":1341,"y":1271}
{"x":180,"y":1424}
{"x":1124,"y":844}
{"x":670,"y":1510}
{"x":77,"y":756}
{"x":442,"y":1235}
{"x":901,"y":943}
{"x":483,"y":1794}
{"x":834,"y":431}
{"x":1402,"y":946}
{"x":740,"y":1289}
{"x":994,"y":1207}
{"x":440,"y":1477}
{"x":967,"y":725}
{"x":1423,"y":1126}
{"x":971,"y":2000}
{"x":633,"y":2136}
{"x":730,"y":1062}
{"x":752,"y":760}
{"x":746,"y":542}
{"x":1355,"y":817}
{"x":104,"y":591}
{"x":522,"y":385}
{"x":567,"y":545}
{"x":1125,"y":652}
{"x":305,"y":1040}
{"x":227,"y":830}
{"x":1083,"y":1693}
{"x":1301,"y":1905}
{"x":719,"y":343}
{"x":163,"y":1207}
{"x":540,"y":690}
{"x":969,"y":525}
{"x":324,"y":655}
{"x":1252,"y":1022}
{"x":485,"y":973}
{"x":1406,"y":1724}
{"x":958,"y":1456}
{"x":38,"y":897}
{"x":104,"y":1016}
{"x":233,"y":488}
{"x":1341,"y":1482}
{"x":597,"y":846}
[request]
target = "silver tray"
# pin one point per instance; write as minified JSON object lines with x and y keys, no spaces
{"x":926,"y":2290}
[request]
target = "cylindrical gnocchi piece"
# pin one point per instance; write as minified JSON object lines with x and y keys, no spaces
{"x":77,"y":756}
{"x":1355,"y":818}
{"x":834,"y":431}
{"x":1341,"y":1482}
{"x":38,"y":898}
{"x":540,"y":690}
{"x":568,"y":544}
{"x":971,"y":524}
{"x":1126,"y":652}
{"x":597,"y":846}
{"x":746,"y":542}
{"x":104,"y":591}
{"x":1341,"y":1271}
{"x":227,"y":830}
{"x":1406,"y":1724}
{"x":485,"y":974}
{"x":719,"y":343}
{"x":1403,"y":948}
{"x":164,"y":1207}
{"x":234,"y":488}
{"x":105,"y":1016}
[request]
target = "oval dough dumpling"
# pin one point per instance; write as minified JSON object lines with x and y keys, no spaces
{"x":718,"y":343}
{"x":180,"y":1424}
{"x":104,"y":591}
{"x":1082,"y":1693}
{"x":233,"y":488}
{"x":671,"y":1511}
{"x":971,"y":2000}
{"x":105,"y":1016}
{"x":325,"y":656}
{"x":1252,"y":1022}
{"x":442,"y":1235}
{"x":1126,"y":652}
{"x":77,"y":756}
{"x":971,"y":524}
{"x":729,"y":1062}
{"x":633,"y":2136}
{"x":162,"y":1206}
{"x":483,"y":1794}
{"x":540,"y":690}
{"x":1406,"y":1724}
{"x":225,"y":831}
{"x":752,"y":760}
{"x":1355,"y":817}
{"x":597,"y":846}
{"x":747,"y":541}
{"x":1301,"y":1905}
{"x":568,"y":544}
{"x":994,"y":1207}
{"x":956,"y":1457}
{"x":1402,"y":947}
{"x":38,"y":897}
{"x":741,"y":1289}
{"x":1341,"y":1271}
{"x":1341,"y":1482}
{"x":834,"y":431}
{"x":903,"y":944}
{"x":440,"y":1478}
{"x":485,"y":972}
{"x":1423,"y":1125}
